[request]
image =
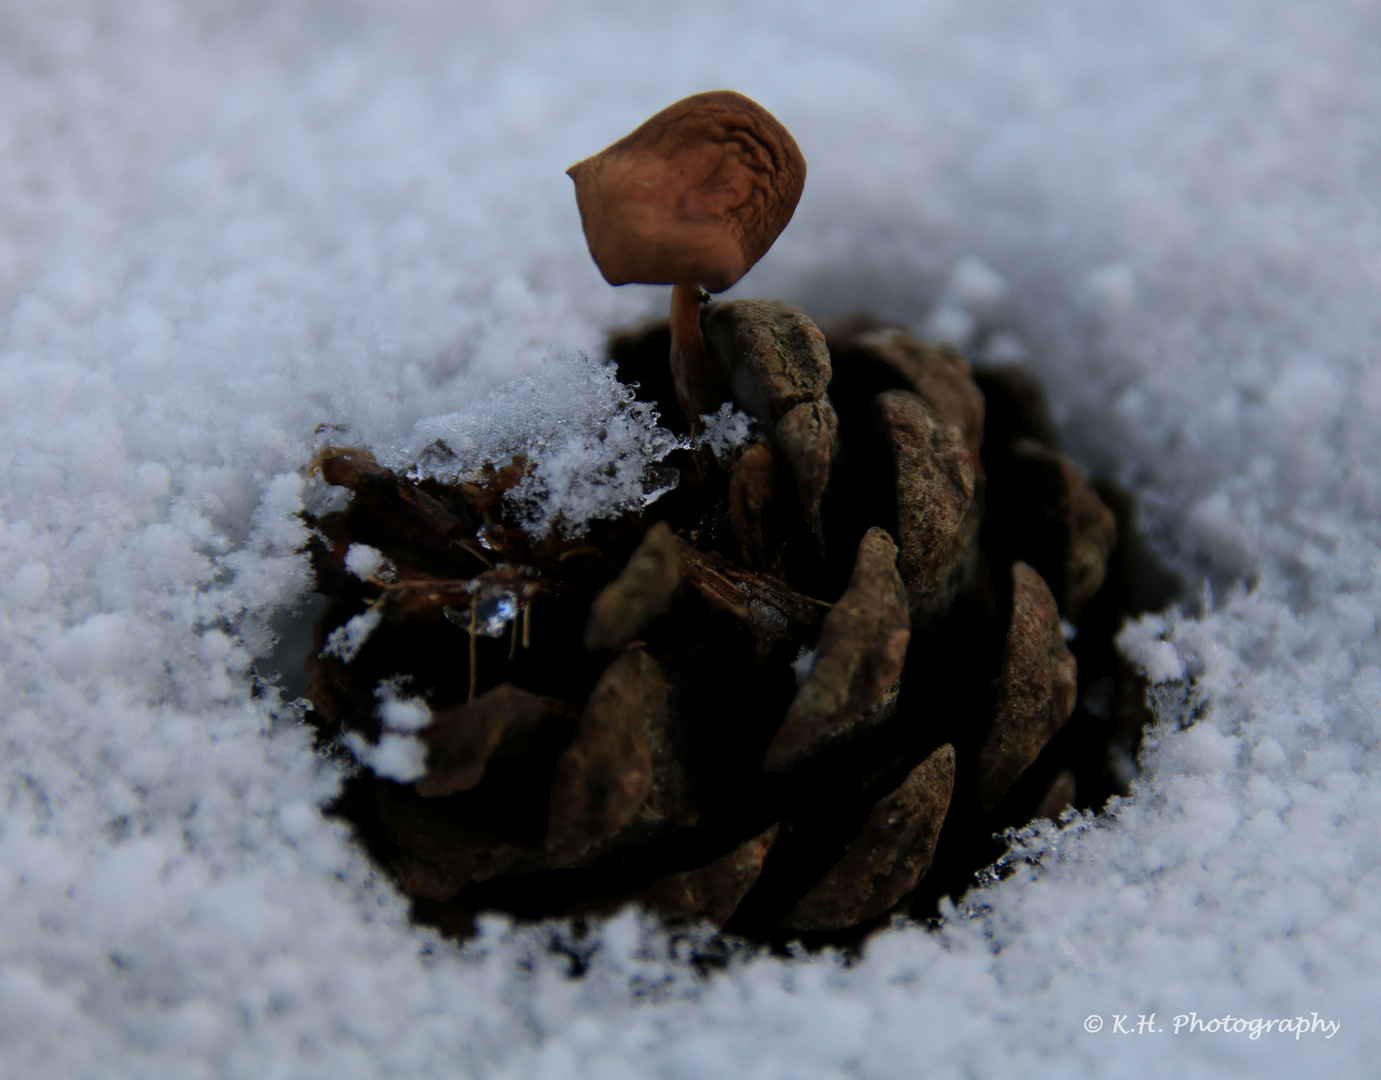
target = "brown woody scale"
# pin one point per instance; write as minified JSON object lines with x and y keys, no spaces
{"x":616,"y":718}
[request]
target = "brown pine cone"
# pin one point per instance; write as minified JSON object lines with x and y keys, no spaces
{"x":831,"y":663}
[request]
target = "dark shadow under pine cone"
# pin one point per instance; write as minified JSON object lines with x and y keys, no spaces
{"x":803,"y":692}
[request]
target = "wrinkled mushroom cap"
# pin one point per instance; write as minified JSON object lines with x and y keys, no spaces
{"x":696,"y":195}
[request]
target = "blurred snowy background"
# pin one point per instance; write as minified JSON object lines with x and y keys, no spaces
{"x":222,"y":224}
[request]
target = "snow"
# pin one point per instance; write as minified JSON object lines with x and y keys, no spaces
{"x":364,"y":561}
{"x":400,"y":713}
{"x":726,"y":428}
{"x":397,"y":755}
{"x":348,"y":639}
{"x":224,"y":225}
{"x":394,"y":757}
{"x":571,"y":410}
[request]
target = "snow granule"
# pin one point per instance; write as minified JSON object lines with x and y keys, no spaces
{"x":232,"y":233}
{"x":364,"y":561}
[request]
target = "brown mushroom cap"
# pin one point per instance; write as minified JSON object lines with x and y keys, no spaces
{"x":696,"y":195}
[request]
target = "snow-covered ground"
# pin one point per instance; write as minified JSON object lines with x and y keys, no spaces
{"x":223,"y":224}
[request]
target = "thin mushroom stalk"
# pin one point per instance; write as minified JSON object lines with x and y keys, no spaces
{"x":691,"y":370}
{"x":692,"y":199}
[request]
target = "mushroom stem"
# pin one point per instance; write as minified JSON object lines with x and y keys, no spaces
{"x":690,"y":362}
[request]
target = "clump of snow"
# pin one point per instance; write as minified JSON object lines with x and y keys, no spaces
{"x":394,"y":757}
{"x":346,"y":640}
{"x":403,"y":714}
{"x":1144,"y":643}
{"x":223,"y":225}
{"x":364,"y":561}
{"x":398,"y":754}
{"x":592,"y":446}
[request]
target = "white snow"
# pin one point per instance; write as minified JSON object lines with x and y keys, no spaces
{"x":569,"y":411}
{"x":398,"y":754}
{"x":364,"y":561}
{"x":394,"y":757}
{"x":224,"y":225}
{"x":726,"y":428}
{"x":402,"y":714}
{"x":346,"y":640}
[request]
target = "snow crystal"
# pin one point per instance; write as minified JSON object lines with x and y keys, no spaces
{"x":224,"y":226}
{"x":726,"y":429}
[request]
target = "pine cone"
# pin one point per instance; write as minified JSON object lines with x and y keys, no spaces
{"x":832,"y":661}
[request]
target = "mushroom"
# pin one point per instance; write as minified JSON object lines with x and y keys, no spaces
{"x":692,"y":198}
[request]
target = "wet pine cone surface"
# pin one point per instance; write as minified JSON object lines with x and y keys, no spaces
{"x":801,"y":693}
